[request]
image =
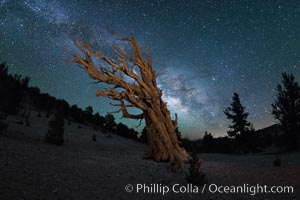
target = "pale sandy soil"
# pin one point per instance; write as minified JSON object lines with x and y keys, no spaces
{"x":31,"y":169}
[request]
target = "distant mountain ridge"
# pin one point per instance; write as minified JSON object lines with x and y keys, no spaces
{"x":272,"y":130}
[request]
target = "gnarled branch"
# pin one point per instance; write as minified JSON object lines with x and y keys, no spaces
{"x":133,"y":92}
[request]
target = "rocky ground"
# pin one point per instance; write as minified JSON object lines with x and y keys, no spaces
{"x":84,"y":169}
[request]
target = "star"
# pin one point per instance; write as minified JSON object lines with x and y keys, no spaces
{"x":206,"y":51}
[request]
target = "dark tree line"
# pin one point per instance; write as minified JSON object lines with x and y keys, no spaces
{"x":242,"y":138}
{"x":15,"y":89}
{"x":11,"y":90}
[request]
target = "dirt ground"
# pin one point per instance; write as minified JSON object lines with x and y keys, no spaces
{"x":31,"y":169}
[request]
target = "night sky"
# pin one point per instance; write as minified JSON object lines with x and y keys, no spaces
{"x":205,"y":50}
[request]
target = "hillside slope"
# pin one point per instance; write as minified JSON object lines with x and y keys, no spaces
{"x":84,"y":169}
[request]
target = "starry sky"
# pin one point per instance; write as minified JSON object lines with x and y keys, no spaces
{"x":205,"y":49}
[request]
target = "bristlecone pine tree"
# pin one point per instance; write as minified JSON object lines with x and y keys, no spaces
{"x":55,"y":134}
{"x":236,"y":112}
{"x":286,"y":109}
{"x":142,"y":93}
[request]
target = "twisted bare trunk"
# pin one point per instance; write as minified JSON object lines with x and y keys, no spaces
{"x":143,"y":94}
{"x":161,"y":135}
{"x":163,"y":143}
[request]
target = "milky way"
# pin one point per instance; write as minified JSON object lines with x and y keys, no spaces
{"x":204,"y":50}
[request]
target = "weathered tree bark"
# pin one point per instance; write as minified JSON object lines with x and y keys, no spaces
{"x":142,"y":93}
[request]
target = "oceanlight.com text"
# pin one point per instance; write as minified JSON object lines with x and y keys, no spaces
{"x":211,"y":188}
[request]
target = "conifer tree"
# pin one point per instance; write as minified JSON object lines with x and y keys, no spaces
{"x":134,"y":85}
{"x":236,"y":112}
{"x":56,"y":129}
{"x":286,"y":109}
{"x":109,"y":121}
{"x":89,"y":110}
{"x":3,"y":123}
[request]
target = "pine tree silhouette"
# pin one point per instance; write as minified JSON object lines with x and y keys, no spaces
{"x":56,"y":129}
{"x":3,"y":123}
{"x":109,"y":121}
{"x":286,"y":109}
{"x":236,"y":112}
